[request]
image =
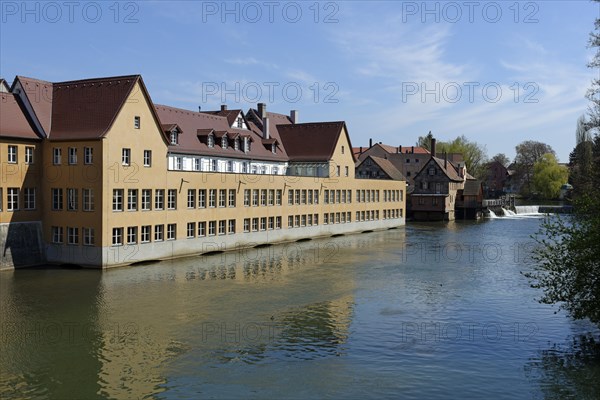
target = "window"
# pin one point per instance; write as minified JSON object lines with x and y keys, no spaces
{"x":29,"y":197}
{"x":244,"y":167}
{"x":303,"y":196}
{"x":303,"y":220}
{"x":247,"y":197}
{"x":290,"y":197}
{"x":316,"y":197}
{"x":211,"y":141}
{"x":201,"y":228}
{"x":191,"y":198}
{"x":254,"y":224}
{"x":126,"y":156}
{"x":197,"y":164}
{"x":159,"y":233}
{"x":338,"y":170}
{"x":117,"y":236}
{"x":231,"y":226}
{"x":255,"y":198}
{"x":88,"y":155}
{"x":57,"y":199}
{"x":290,"y":221}
{"x":236,"y":144}
{"x":271,"y":223}
{"x":274,"y":148}
{"x":263,"y":197}
{"x":275,"y":171}
{"x":145,"y":234}
{"x":57,"y":234}
{"x":191,"y":230}
{"x":132,"y":199}
{"x":117,"y":199}
{"x":231,"y":197}
{"x":316,"y":219}
{"x":178,"y":163}
{"x":56,"y":156}
{"x":240,"y":123}
{"x":297,"y":221}
{"x":347,"y":171}
{"x":229,"y":166}
{"x":326,"y":197}
{"x":212,"y":226}
{"x":147,"y":158}
{"x":271,"y":197}
{"x":246,"y":224}
{"x":172,"y":199}
{"x":277,"y":222}
{"x":222,"y":197}
{"x":432,"y":171}
{"x":310,"y":197}
{"x":72,"y":199}
{"x":423,"y":185}
{"x":263,"y":224}
{"x":212,"y":194}
{"x":173,"y":137}
{"x":297,"y":196}
{"x":136,"y":122}
{"x":12,"y":154}
{"x":254,"y":169}
{"x":146,"y":199}
{"x":222,"y":227}
{"x":28,"y":155}
{"x":159,"y":199}
{"x":224,"y":142}
{"x":201,"y":198}
{"x":72,"y":235}
{"x":278,"y":197}
{"x":72,"y":155}
{"x":12,"y":199}
{"x":213,"y":165}
{"x":171,"y":231}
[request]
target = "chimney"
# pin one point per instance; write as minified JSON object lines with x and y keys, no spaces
{"x":360,"y":151}
{"x":412,"y":150}
{"x":370,"y":143}
{"x":445,"y":160}
{"x":262,"y":111}
{"x":432,"y":147}
{"x":265,"y":129}
{"x":199,"y":108}
{"x":294,"y":116}
{"x":223,"y":107}
{"x":399,"y":150}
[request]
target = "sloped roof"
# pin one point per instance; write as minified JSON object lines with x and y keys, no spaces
{"x":13,"y":120}
{"x":472,"y":188}
{"x":195,"y":124}
{"x":449,"y":171}
{"x":39,"y":94}
{"x":387,"y":167}
{"x":4,"y":88}
{"x":310,"y":141}
{"x":231,"y":115}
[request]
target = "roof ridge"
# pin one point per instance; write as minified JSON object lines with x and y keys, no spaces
{"x":93,"y":80}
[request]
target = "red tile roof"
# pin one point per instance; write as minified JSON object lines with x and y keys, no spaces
{"x":311,"y":141}
{"x":13,"y":121}
{"x":39,"y":94}
{"x":387,"y":167}
{"x":231,"y":115}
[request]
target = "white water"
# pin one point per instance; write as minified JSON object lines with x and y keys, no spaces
{"x":527,"y":210}
{"x":508,"y":213}
{"x":492,"y":214}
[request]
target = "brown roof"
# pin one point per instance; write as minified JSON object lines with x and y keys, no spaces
{"x":4,"y":86}
{"x":195,"y":124}
{"x":310,"y":141}
{"x":13,"y":120}
{"x":387,"y":167}
{"x":39,"y":94}
{"x":449,"y":171}
{"x":231,"y":115}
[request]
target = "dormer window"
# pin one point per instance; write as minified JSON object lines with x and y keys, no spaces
{"x":240,"y":122}
{"x":211,"y":141}
{"x":236,"y":144}
{"x":274,"y":148}
{"x":224,"y":142}
{"x":174,"y":137}
{"x":246,"y":145}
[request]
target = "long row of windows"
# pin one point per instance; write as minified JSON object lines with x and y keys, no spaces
{"x":12,"y":154}
{"x":73,"y":235}
{"x":262,"y":197}
{"x":337,"y":196}
{"x":295,"y":221}
{"x":262,"y":224}
{"x":131,"y":234}
{"x":13,"y":199}
{"x":392,"y":214}
{"x":72,"y":155}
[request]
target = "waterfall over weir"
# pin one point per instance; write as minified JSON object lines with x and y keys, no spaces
{"x":527,"y":210}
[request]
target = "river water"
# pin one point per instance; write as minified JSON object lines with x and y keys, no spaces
{"x":430,"y":311}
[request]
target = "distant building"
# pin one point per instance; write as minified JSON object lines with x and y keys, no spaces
{"x":373,"y":167}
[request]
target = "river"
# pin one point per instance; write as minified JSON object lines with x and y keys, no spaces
{"x":429,"y":311}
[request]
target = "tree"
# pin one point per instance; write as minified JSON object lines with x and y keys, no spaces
{"x":425,"y":141}
{"x":528,"y":153}
{"x":502,"y":159}
{"x":568,"y":256}
{"x":548,"y":176}
{"x":593,"y":93}
{"x":580,"y":159}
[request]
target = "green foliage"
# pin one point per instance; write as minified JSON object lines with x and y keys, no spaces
{"x":528,"y":153}
{"x":502,"y":159}
{"x":548,"y":176}
{"x":568,"y":269}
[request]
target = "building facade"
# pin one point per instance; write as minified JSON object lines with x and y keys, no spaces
{"x":95,"y":174}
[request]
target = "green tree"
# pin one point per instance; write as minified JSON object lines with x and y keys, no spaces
{"x":425,"y":141}
{"x":549,"y":176}
{"x":528,"y":153}
{"x":580,"y":159}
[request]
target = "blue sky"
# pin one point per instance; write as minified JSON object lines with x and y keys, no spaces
{"x":497,"y":72}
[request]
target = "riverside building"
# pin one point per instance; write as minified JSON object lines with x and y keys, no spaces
{"x":95,"y":174}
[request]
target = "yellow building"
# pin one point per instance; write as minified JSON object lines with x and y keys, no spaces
{"x":95,"y":174}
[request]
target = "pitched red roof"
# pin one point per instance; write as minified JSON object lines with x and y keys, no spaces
{"x":231,"y":115}
{"x":39,"y":94}
{"x":13,"y":120}
{"x":195,"y":124}
{"x":387,"y":167}
{"x":310,"y":141}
